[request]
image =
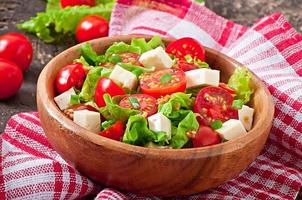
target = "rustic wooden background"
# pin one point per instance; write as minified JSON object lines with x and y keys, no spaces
{"x":13,"y":12}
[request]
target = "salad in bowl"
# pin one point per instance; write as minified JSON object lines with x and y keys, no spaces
{"x":157,"y":96}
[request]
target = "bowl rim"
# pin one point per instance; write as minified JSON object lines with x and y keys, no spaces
{"x":200,"y":152}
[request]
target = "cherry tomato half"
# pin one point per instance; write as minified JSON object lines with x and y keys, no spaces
{"x":186,"y":46}
{"x":214,"y":103}
{"x":141,"y":102}
{"x":106,"y":85}
{"x":65,"y":3}
{"x":185,"y":66}
{"x":11,"y":78}
{"x":205,"y":136}
{"x":92,"y":27}
{"x":163,"y":82}
{"x":227,"y":88}
{"x":72,"y":75}
{"x":16,"y":48}
{"x":114,"y":132}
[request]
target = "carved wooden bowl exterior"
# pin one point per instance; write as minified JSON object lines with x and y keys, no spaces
{"x":163,"y":172}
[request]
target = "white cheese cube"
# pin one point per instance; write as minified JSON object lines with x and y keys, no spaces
{"x":88,"y":119}
{"x":156,"y":58}
{"x":231,"y":129}
{"x":123,"y":77}
{"x":63,"y":100}
{"x":159,"y":122}
{"x":246,"y":116}
{"x":200,"y":77}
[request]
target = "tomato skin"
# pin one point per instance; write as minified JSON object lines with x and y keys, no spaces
{"x":214,"y":103}
{"x":16,"y":48}
{"x":106,"y":85}
{"x":11,"y":78}
{"x":114,"y":132}
{"x":227,"y":88}
{"x":147,"y":103}
{"x":72,"y":75}
{"x":158,"y":89}
{"x":65,"y":3}
{"x":92,"y":27}
{"x":185,"y":66}
{"x":186,"y":46}
{"x":205,"y":136}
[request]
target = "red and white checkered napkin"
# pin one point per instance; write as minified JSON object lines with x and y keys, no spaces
{"x":272,"y":49}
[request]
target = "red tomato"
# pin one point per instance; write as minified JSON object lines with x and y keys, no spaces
{"x":205,"y":136}
{"x":227,"y":88}
{"x":214,"y":103}
{"x":163,"y":82}
{"x":16,"y":48}
{"x":146,"y":103}
{"x":11,"y":78}
{"x":72,"y":75}
{"x":114,"y":132}
{"x":185,"y":66}
{"x":65,"y":3}
{"x":186,"y":46}
{"x":92,"y":27}
{"x":106,"y":85}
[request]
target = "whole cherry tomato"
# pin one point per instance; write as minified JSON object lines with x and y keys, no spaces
{"x":11,"y":78}
{"x":72,"y":75}
{"x":65,"y":3}
{"x":106,"y":85}
{"x":205,"y":136}
{"x":16,"y":48}
{"x":92,"y":27}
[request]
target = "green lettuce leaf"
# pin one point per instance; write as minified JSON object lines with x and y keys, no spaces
{"x":88,"y":88}
{"x":138,"y":133}
{"x":241,"y":82}
{"x":137,"y":70}
{"x":55,"y":24}
{"x":141,"y":44}
{"x":179,"y":136}
{"x":91,"y":56}
{"x":155,"y":42}
{"x":53,"y":5}
{"x":115,"y":112}
{"x":121,"y":47}
{"x":174,"y":108}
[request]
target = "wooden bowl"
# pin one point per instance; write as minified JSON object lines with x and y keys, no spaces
{"x":163,"y":172}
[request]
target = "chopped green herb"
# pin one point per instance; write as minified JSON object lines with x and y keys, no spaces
{"x":224,"y":140}
{"x":189,"y":58}
{"x":217,"y":124}
{"x":106,"y":124}
{"x":74,"y":99}
{"x":202,"y":64}
{"x":134,"y":102}
{"x":115,"y":58}
{"x":237,"y":104}
{"x":165,"y":78}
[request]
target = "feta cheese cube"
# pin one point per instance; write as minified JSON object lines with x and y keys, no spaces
{"x":246,"y":116}
{"x":159,"y":122}
{"x":123,"y":77}
{"x":200,"y":77}
{"x":63,"y":100}
{"x":231,"y":129}
{"x":88,"y":119}
{"x":156,"y":58}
